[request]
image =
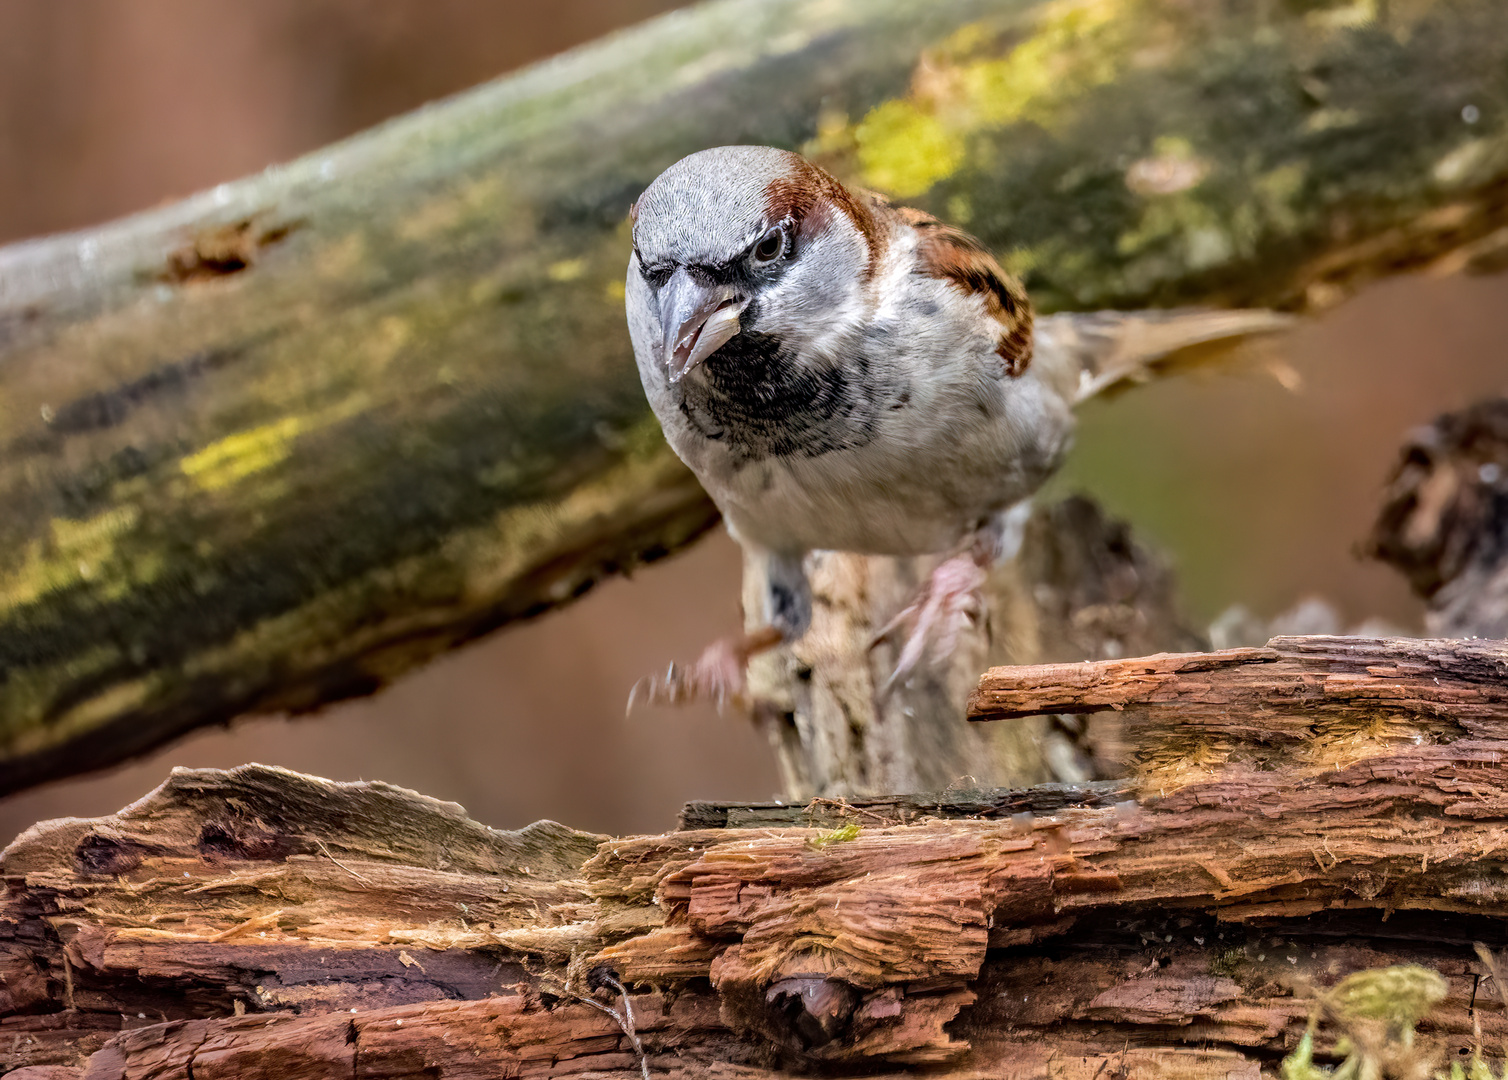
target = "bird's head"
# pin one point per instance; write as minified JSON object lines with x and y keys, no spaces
{"x":747,"y":239}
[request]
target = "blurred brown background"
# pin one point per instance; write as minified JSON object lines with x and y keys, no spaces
{"x":1258,"y":494}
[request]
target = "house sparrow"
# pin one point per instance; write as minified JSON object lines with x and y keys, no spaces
{"x":845,"y":374}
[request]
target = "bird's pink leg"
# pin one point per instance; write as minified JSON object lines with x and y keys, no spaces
{"x":950,"y":596}
{"x":717,"y":675}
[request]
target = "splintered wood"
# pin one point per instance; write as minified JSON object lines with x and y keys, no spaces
{"x":1449,"y":687}
{"x":259,"y":923}
{"x":1303,"y":702}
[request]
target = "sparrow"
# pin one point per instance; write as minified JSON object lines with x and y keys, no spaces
{"x":844,"y":374}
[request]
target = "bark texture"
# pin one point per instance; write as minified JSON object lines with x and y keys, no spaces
{"x":262,"y":923}
{"x":1324,"y":702}
{"x":275,"y":444}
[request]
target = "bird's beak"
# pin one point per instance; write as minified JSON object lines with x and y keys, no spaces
{"x":697,"y":319}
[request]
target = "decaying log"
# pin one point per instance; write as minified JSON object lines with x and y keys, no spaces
{"x":262,"y":923}
{"x":275,"y":444}
{"x":1444,"y":522}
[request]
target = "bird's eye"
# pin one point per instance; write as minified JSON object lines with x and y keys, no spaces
{"x":770,"y":245}
{"x":656,"y":275}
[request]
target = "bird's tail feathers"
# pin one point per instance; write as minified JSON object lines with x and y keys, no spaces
{"x":1113,"y":349}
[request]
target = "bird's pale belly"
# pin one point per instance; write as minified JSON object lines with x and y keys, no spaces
{"x":891,"y":482}
{"x":827,"y":504}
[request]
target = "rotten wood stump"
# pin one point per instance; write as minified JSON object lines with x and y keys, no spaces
{"x":259,"y":923}
{"x":1081,"y":586}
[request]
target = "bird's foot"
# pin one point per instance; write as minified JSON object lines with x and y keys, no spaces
{"x":951,"y":596}
{"x":716,"y":676}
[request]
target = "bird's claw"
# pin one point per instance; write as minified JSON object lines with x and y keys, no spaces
{"x":717,"y":676}
{"x":950,"y":597}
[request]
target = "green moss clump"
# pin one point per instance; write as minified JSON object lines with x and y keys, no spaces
{"x":827,"y":837}
{"x":1376,"y":1012}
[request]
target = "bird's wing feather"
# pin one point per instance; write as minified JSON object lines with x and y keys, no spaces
{"x":954,"y":256}
{"x":1107,"y":350}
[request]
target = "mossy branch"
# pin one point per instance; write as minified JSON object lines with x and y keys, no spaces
{"x":278,"y":443}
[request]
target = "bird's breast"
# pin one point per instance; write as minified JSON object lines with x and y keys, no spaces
{"x":754,"y":400}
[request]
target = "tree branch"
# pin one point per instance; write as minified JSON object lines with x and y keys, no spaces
{"x":274,"y":445}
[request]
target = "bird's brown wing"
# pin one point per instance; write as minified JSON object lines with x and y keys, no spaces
{"x":954,"y":256}
{"x":1107,"y":350}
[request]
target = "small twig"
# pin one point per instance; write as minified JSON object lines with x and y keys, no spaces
{"x":234,"y":880}
{"x":68,"y":980}
{"x":1484,"y":954}
{"x":408,"y":961}
{"x":326,"y":852}
{"x":625,"y":1019}
{"x":842,"y":805}
{"x":256,"y":922}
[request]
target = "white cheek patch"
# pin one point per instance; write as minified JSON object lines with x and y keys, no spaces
{"x":820,"y":300}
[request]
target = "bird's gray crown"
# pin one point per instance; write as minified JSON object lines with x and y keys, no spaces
{"x":708,"y":207}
